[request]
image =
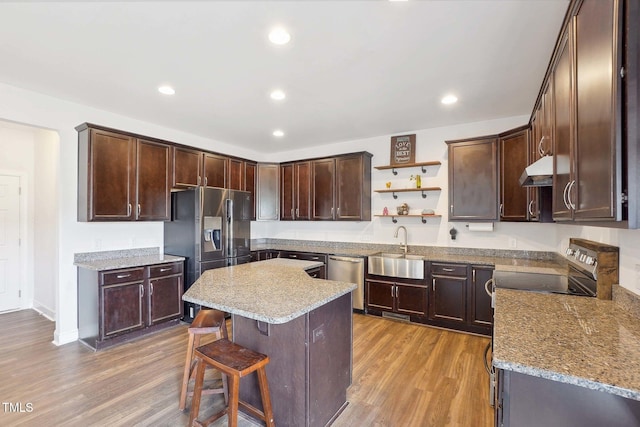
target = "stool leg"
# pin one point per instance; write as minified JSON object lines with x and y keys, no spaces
{"x":197,"y":391}
{"x":187,"y":373}
{"x":266,"y":397}
{"x":234,"y":388}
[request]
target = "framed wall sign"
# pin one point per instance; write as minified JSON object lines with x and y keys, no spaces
{"x":403,"y":149}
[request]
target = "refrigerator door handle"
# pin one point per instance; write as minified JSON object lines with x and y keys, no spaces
{"x":228,"y":240}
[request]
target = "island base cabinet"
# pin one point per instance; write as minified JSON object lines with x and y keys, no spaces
{"x":528,"y":401}
{"x":310,"y":363}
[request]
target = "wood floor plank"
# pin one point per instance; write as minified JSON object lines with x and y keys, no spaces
{"x":403,"y":375}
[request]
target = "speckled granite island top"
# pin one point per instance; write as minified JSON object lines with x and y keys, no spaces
{"x":273,"y":291}
{"x":576,"y":340}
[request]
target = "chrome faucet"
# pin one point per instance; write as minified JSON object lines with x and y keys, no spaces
{"x":404,"y":246}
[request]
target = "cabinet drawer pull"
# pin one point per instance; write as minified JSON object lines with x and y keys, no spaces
{"x":293,"y":256}
{"x":433,"y":284}
{"x":139,"y":209}
{"x":450,"y":270}
{"x":123,"y":276}
{"x":141,"y":291}
{"x":150,"y":288}
{"x":129,"y":209}
{"x":162,"y":270}
{"x":572,"y":206}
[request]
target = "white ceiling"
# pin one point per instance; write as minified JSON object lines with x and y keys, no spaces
{"x":353,"y":69}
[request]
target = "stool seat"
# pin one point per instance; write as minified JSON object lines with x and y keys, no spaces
{"x":206,"y":322}
{"x":236,"y":362}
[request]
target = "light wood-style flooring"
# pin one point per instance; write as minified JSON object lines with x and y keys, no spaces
{"x":403,"y":375}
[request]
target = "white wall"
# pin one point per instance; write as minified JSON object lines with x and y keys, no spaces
{"x":45,"y":228}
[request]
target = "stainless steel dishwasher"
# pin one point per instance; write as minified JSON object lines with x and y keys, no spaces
{"x":348,"y":269}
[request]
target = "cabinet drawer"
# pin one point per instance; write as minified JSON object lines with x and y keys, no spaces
{"x":449,"y":269}
{"x":122,"y":276}
{"x":165,"y":269}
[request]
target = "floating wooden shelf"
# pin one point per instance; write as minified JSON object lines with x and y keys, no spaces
{"x":421,"y":165}
{"x":423,"y":190}
{"x":423,"y":217}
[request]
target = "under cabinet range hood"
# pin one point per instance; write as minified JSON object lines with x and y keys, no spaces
{"x":538,"y":173}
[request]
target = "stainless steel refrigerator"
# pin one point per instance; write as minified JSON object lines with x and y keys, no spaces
{"x":211,"y":228}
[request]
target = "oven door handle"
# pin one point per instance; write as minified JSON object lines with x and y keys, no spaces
{"x":488,"y":287}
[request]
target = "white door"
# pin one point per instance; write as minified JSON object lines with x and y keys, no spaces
{"x":9,"y":242}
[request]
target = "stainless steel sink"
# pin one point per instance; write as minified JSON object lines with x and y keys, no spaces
{"x":397,"y":265}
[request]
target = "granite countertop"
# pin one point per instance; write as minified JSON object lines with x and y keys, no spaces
{"x":127,"y":258}
{"x":575,"y":340}
{"x":274,"y":291}
{"x":530,"y":262}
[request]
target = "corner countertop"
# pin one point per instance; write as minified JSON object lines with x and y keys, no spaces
{"x":273,"y":291}
{"x":576,"y":340}
{"x":126,"y":258}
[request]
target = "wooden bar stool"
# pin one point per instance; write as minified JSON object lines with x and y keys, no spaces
{"x":206,"y":322}
{"x":235,"y":361}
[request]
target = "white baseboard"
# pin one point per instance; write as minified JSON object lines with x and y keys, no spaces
{"x":45,"y":311}
{"x":61,"y":338}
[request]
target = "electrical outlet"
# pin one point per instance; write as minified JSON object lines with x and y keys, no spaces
{"x":513,"y":243}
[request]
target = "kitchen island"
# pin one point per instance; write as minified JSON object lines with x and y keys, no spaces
{"x":565,"y":360}
{"x":303,"y":324}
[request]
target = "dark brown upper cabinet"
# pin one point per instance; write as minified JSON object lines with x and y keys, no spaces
{"x":287,"y":209}
{"x":514,"y":146}
{"x":341,"y":188}
{"x":473,"y":179}
{"x":215,"y":170}
{"x":267,"y":194}
{"x":295,"y":190}
{"x":323,"y":173}
{"x":235,"y":178}
{"x":564,"y":119}
{"x":250,"y":178}
{"x":120,"y":177}
{"x":187,"y":167}
{"x":588,"y":169}
{"x":153,"y":182}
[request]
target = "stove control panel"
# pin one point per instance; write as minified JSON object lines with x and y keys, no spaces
{"x":581,"y":256}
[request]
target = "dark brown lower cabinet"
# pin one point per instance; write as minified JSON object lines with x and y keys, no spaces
{"x":448,"y":295}
{"x":480,"y":311}
{"x":115,"y":306}
{"x":528,"y":401}
{"x":452,"y":296}
{"x":402,"y":296}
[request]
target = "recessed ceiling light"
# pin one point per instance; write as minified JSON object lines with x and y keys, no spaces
{"x":278,"y":133}
{"x":279,"y":36}
{"x":166,"y":90}
{"x":449,"y":99}
{"x":278,"y":95}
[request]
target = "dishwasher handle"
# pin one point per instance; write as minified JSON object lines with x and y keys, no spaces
{"x":345,"y":259}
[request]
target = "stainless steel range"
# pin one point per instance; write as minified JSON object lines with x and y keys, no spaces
{"x":593,"y":268}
